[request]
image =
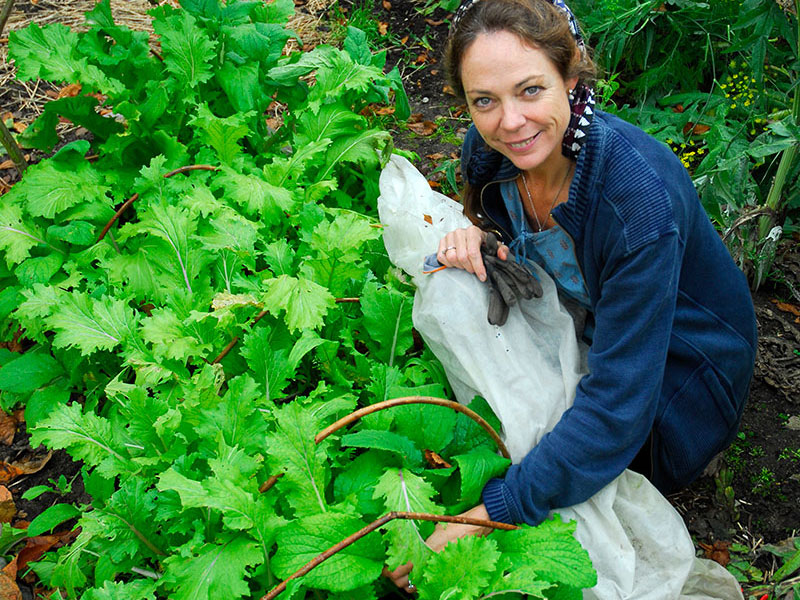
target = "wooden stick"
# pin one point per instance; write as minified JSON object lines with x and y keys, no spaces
{"x":117,"y":214}
{"x":372,"y":527}
{"x":188,"y":168}
{"x":355,"y":416}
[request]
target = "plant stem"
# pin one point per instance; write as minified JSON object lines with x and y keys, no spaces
{"x":8,"y":141}
{"x":4,"y":14}
{"x":13,"y":149}
{"x":773,"y":202}
{"x":355,"y":416}
{"x":409,"y":516}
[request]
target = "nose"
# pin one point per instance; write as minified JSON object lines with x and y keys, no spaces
{"x":512,"y":117}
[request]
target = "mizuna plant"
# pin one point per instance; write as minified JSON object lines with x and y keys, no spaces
{"x":197,"y":301}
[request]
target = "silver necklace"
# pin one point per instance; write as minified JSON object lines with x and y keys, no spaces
{"x":539,"y":224}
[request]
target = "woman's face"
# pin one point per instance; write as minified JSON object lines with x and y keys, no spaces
{"x":517,"y":98}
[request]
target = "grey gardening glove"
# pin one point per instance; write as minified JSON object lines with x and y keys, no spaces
{"x":508,"y":281}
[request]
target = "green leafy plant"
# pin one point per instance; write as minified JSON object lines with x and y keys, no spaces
{"x":206,"y":295}
{"x":708,"y":78}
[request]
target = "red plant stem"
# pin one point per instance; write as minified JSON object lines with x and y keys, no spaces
{"x":235,"y":340}
{"x":372,"y":527}
{"x":355,"y":416}
{"x":344,"y":300}
{"x":188,"y":168}
{"x":271,"y":481}
{"x":133,"y":198}
{"x":117,"y":214}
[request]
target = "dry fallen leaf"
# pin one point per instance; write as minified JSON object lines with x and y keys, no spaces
{"x":36,"y":546}
{"x":69,"y":91}
{"x":19,"y":126}
{"x":29,"y":464}
{"x":435,"y":156}
{"x":718,"y":551}
{"x":435,"y":461}
{"x":424,"y":128}
{"x":383,"y":27}
{"x":786,"y":307}
{"x":428,"y":219}
{"x":387,"y":5}
{"x":434,"y":184}
{"x":8,"y":427}
{"x":695,"y":128}
{"x":403,"y":40}
{"x":7,"y":164}
{"x":7,"y":507}
{"x":8,"y":584}
{"x":448,"y":90}
{"x":433,"y":23}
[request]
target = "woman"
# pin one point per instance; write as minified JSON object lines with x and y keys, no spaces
{"x":613,"y":217}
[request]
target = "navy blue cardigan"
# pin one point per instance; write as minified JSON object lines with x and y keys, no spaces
{"x":674,"y":327}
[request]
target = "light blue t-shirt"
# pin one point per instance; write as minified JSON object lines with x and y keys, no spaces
{"x":552,"y":249}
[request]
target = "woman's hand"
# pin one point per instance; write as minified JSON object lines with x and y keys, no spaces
{"x":441,"y":536}
{"x":461,"y":249}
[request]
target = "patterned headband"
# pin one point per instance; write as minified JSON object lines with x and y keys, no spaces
{"x":559,"y":4}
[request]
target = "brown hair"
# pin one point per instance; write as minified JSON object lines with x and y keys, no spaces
{"x":536,"y":22}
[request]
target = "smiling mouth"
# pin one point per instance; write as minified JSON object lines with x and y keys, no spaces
{"x":523,"y":143}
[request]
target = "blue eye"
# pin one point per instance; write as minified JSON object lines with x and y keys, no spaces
{"x":481,"y":102}
{"x":532,"y":90}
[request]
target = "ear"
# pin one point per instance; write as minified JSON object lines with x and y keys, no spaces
{"x":571,"y":83}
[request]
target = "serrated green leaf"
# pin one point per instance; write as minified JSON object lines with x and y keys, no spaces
{"x":306,"y":303}
{"x":128,"y":518}
{"x":369,"y":148}
{"x":30,"y":371}
{"x":221,"y":134}
{"x":305,"y":464}
{"x":17,"y":234}
{"x":259,"y":198}
{"x":466,"y":565}
{"x":401,"y":490}
{"x":90,"y":324}
{"x":52,"y":186}
{"x":551,"y":550}
{"x":133,"y":590}
{"x":304,"y":539}
{"x":87,"y":436}
{"x":212,"y":571}
{"x":187,"y":49}
{"x":51,"y":53}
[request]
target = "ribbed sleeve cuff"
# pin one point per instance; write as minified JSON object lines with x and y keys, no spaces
{"x":499,"y":503}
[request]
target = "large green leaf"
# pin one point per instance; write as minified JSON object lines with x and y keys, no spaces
{"x":387,"y":319}
{"x":29,"y":372}
{"x":401,"y":490}
{"x":187,"y":49}
{"x":87,"y":437}
{"x":461,"y":570}
{"x":551,"y":551}
{"x":89,"y":324}
{"x":306,"y":303}
{"x":305,"y":464}
{"x":304,"y":539}
{"x":213,"y":571}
